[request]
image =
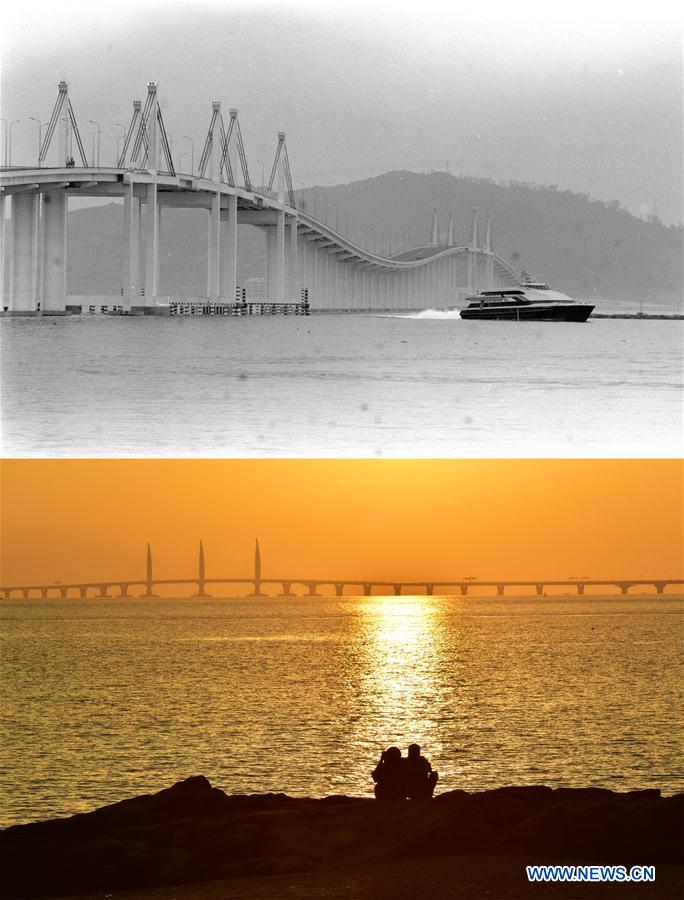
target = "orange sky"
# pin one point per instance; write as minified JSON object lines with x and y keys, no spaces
{"x":401,"y":519}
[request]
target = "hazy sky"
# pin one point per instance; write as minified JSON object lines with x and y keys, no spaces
{"x":396,"y":519}
{"x":587,"y":96}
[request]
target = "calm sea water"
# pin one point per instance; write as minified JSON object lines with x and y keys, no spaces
{"x":106,"y":699}
{"x":423,"y":386}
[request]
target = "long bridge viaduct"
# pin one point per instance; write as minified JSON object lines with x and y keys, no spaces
{"x":255,"y":582}
{"x":302,"y":252}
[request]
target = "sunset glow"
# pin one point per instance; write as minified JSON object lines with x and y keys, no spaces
{"x":399,"y":519}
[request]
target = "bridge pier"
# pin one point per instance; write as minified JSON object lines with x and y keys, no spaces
{"x":287,"y":590}
{"x":429,"y":589}
{"x":201,"y":593}
{"x":24,"y":268}
{"x":339,"y":588}
{"x":500,"y":589}
{"x":4,"y":305}
{"x":230,"y":254}
{"x":397,"y":590}
{"x":540,"y":590}
{"x":660,"y":587}
{"x":312,"y":585}
{"x":123,"y":591}
{"x":624,"y":587}
{"x":83,"y":592}
{"x":103,"y":588}
{"x":54,"y":254}
{"x":150,"y":244}
{"x":25,"y":593}
{"x":367,"y":590}
{"x":214,"y":248}
{"x":44,"y":593}
{"x":463,"y":589}
{"x":580,"y":589}
{"x":130,"y":276}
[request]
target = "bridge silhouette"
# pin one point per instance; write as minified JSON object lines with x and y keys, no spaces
{"x":303,"y":254}
{"x":366,"y":586}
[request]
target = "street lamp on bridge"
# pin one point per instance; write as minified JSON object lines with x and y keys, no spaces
{"x":9,"y":125}
{"x":40,"y":135}
{"x":121,"y":137}
{"x":262,"y":174}
{"x":99,"y":132}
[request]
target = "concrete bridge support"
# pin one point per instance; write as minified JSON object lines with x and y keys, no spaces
{"x":429,"y":589}
{"x":44,"y":593}
{"x":463,"y":589}
{"x":4,"y":305}
{"x":660,"y":587}
{"x":229,"y":228}
{"x":539,"y":589}
{"x":339,"y":589}
{"x":24,"y":268}
{"x":103,"y":588}
{"x":500,"y":590}
{"x":83,"y":592}
{"x":287,"y":590}
{"x":54,"y":282}
{"x":214,"y":249}
{"x":150,"y":250}
{"x":367,"y":590}
{"x":63,"y":593}
{"x":130,"y":276}
{"x":397,"y":590}
{"x":312,"y":587}
{"x":123,"y":591}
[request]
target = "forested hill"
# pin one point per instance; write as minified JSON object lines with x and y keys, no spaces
{"x":583,"y":247}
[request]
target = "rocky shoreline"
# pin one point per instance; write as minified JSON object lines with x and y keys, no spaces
{"x":193,"y":832}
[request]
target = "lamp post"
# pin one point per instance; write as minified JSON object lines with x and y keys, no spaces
{"x":40,"y":136}
{"x":119,"y":139}
{"x":8,"y":157}
{"x":99,"y":132}
{"x":192,"y":153}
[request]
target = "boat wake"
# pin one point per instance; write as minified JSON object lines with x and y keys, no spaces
{"x":425,"y":314}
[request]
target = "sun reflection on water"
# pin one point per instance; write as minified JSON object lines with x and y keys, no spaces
{"x":399,"y":677}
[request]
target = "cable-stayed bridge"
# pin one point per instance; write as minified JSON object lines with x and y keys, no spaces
{"x":255,"y":584}
{"x":304,"y":256}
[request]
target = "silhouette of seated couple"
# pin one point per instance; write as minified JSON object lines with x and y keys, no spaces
{"x":400,"y":777}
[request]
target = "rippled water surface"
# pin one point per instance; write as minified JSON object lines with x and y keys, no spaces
{"x":106,"y":699}
{"x":428,"y":385}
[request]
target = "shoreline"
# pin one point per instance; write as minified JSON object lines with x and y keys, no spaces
{"x":272,"y":845}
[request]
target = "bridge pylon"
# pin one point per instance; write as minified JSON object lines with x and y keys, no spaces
{"x":201,"y":578}
{"x":149,"y":593}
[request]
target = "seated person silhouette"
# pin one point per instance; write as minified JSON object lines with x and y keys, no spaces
{"x":389,"y":776}
{"x":420,"y":780}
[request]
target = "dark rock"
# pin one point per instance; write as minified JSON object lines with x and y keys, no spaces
{"x":194,"y":832}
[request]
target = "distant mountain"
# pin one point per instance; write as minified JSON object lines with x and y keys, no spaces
{"x":583,"y":247}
